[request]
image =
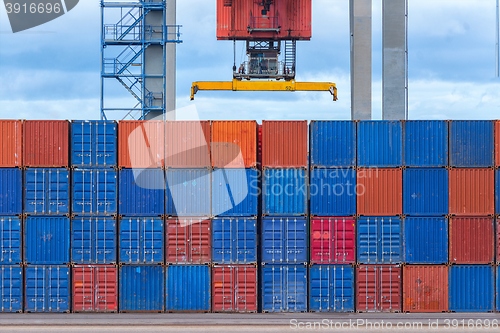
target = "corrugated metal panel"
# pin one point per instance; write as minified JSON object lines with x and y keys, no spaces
{"x":188,"y":240}
{"x":332,"y":143}
{"x":93,"y":240}
{"x":284,"y":144}
{"x":234,"y":288}
{"x":378,"y":288}
{"x":46,"y":143}
{"x":426,"y":143}
{"x":11,"y":195}
{"x":141,"y":192}
{"x":187,"y":144}
{"x":472,"y":240}
{"x":188,"y":192}
{"x":47,"y":240}
{"x":284,"y":288}
{"x":379,"y":192}
{"x":10,"y":240}
{"x":47,"y":289}
{"x":331,"y":288}
{"x":425,"y":288}
{"x":379,"y":240}
{"x":497,"y":143}
{"x":94,"y":192}
{"x":235,"y":192}
{"x":46,"y":191}
{"x":425,"y":192}
{"x":142,"y":288}
{"x":141,"y":144}
{"x":284,"y":240}
{"x":95,"y":288}
{"x":471,"y":288}
{"x":472,"y":192}
{"x":471,"y":143}
{"x":380,"y":143}
{"x":333,"y":240}
{"x":234,"y":144}
{"x":11,"y":288}
{"x":141,"y":240}
{"x":497,"y":191}
{"x":333,"y":192}
{"x":498,"y":288}
{"x":284,"y":192}
{"x":426,"y":240}
{"x":11,"y":143}
{"x":234,"y":240}
{"x":192,"y":296}
{"x":93,"y":144}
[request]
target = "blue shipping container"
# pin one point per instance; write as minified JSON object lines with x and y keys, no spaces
{"x":333,"y":192}
{"x":94,"y":192}
{"x":10,"y":240}
{"x":188,"y":192}
{"x":142,"y":288}
{"x":11,"y":288}
{"x":141,"y":192}
{"x":426,"y":240}
{"x":46,"y":191}
{"x":188,"y":288}
{"x":284,"y":240}
{"x":48,"y":289}
{"x":284,"y":192}
{"x":380,"y":143}
{"x":379,"y":240}
{"x":234,"y":240}
{"x":425,"y":192}
{"x":93,"y":240}
{"x":47,"y":240}
{"x":331,"y":288}
{"x":93,"y":144}
{"x":284,"y":288}
{"x":235,"y":192}
{"x":471,"y":288}
{"x":471,"y":143}
{"x":332,"y":143}
{"x":11,"y":194}
{"x":141,"y":240}
{"x":426,"y":143}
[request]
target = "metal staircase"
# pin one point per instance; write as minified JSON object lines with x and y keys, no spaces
{"x":290,"y":58}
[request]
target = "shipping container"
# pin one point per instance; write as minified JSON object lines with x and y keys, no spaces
{"x":425,"y":143}
{"x":497,"y":143}
{"x":259,"y":146}
{"x":141,"y":192}
{"x":380,"y":144}
{"x":188,"y":240}
{"x":333,"y":192}
{"x":378,"y":288}
{"x":48,"y":289}
{"x":332,"y":144}
{"x":425,"y":288}
{"x":471,"y":288}
{"x":11,"y":288}
{"x":234,"y":288}
{"x":141,"y":144}
{"x":426,"y":240}
{"x":11,"y":194}
{"x":93,"y":240}
{"x":188,"y":192}
{"x":284,"y":288}
{"x":188,"y":288}
{"x":472,"y":192}
{"x":331,"y":288}
{"x":498,"y":241}
{"x":471,"y":143}
{"x":46,"y":143}
{"x":379,"y":240}
{"x":187,"y":144}
{"x":284,"y":144}
{"x":46,"y":191}
{"x":10,"y":240}
{"x":234,"y":240}
{"x":425,"y":192}
{"x":379,"y":192}
{"x":11,"y":143}
{"x":141,"y":240}
{"x":235,"y":192}
{"x":497,"y":190}
{"x":94,"y":144}
{"x":284,"y":192}
{"x":94,"y":192}
{"x":284,"y":240}
{"x":47,"y":240}
{"x":141,"y":288}
{"x":472,"y":240}
{"x":498,"y":287}
{"x":234,"y":144}
{"x":95,"y":288}
{"x":333,"y":240}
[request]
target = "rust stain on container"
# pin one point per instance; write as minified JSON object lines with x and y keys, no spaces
{"x":95,"y":288}
{"x":234,"y":144}
{"x":379,"y":192}
{"x":141,"y":144}
{"x":188,"y":240}
{"x":187,"y":144}
{"x":46,"y":143}
{"x":472,"y":191}
{"x":11,"y":143}
{"x":425,"y":288}
{"x":378,"y":288}
{"x":234,"y":288}
{"x":472,"y":240}
{"x":284,"y":144}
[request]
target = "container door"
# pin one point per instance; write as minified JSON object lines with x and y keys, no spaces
{"x":296,"y":288}
{"x":273,"y":289}
{"x":245,"y":290}
{"x":390,"y":244}
{"x":104,"y":242}
{"x":105,"y":185}
{"x":390,"y":289}
{"x":222,"y":240}
{"x":105,"y":289}
{"x":57,"y":289}
{"x":272,"y":240}
{"x":177,"y":242}
{"x":366,"y":289}
{"x":199,"y":245}
{"x":83,"y":289}
{"x":295,"y":242}
{"x":319,"y":288}
{"x":341,"y":283}
{"x":321,"y":240}
{"x":10,"y":240}
{"x":343,"y":240}
{"x":152,"y":240}
{"x":367,"y":240}
{"x":244,"y":236}
{"x":223,"y":289}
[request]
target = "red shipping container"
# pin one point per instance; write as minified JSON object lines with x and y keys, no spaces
{"x":472,"y":240}
{"x":379,"y":192}
{"x":187,"y":144}
{"x":188,"y":240}
{"x":378,"y":288}
{"x":141,"y":144}
{"x":497,"y":143}
{"x":11,"y":143}
{"x":259,"y":146}
{"x":46,"y":143}
{"x":333,"y":240}
{"x":234,"y":288}
{"x":234,"y":144}
{"x":425,"y":288}
{"x":472,"y":191}
{"x":95,"y":288}
{"x":284,"y":144}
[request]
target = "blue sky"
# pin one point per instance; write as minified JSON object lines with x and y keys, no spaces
{"x":52,"y":71}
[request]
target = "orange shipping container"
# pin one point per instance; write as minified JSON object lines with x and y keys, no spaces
{"x":46,"y":143}
{"x":379,"y":192}
{"x":472,"y":240}
{"x":234,"y":144}
{"x":284,"y":144}
{"x":187,"y":144}
{"x":425,"y":288}
{"x":472,"y":191}
{"x":141,"y":144}
{"x":11,"y":143}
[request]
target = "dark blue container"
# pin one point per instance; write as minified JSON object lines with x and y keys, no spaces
{"x":141,"y":240}
{"x":235,"y":192}
{"x":426,"y":240}
{"x":380,"y":143}
{"x":471,"y":288}
{"x":11,"y":288}
{"x":93,"y":144}
{"x":471,"y":143}
{"x":234,"y":240}
{"x":48,"y":289}
{"x":141,"y":192}
{"x":333,"y":192}
{"x":188,"y":192}
{"x":46,"y":191}
{"x":425,"y":192}
{"x":331,"y":288}
{"x":93,"y":240}
{"x":284,"y":288}
{"x":284,"y":192}
{"x":426,"y":143}
{"x":10,"y":240}
{"x":142,"y":288}
{"x":11,"y":194}
{"x":284,"y":240}
{"x":47,"y":240}
{"x":379,"y":240}
{"x":188,"y":288}
{"x":332,"y":143}
{"x":94,"y":192}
